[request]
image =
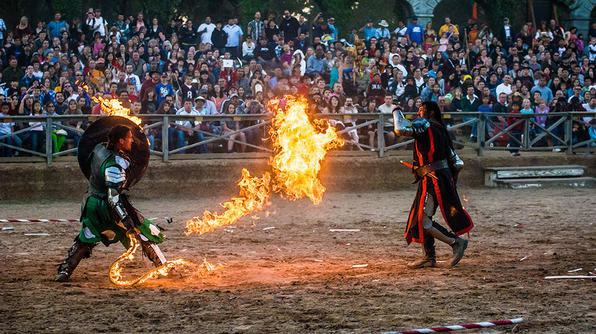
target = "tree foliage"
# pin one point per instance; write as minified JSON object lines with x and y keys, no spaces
{"x":348,"y":13}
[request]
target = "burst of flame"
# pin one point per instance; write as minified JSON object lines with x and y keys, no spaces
{"x":116,"y":269}
{"x":113,"y":107}
{"x":254,"y":192}
{"x":299,"y":145}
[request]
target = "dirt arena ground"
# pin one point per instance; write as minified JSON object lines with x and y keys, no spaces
{"x":298,"y":277}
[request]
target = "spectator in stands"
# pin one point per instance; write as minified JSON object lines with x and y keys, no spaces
{"x":7,"y":133}
{"x":128,"y":55}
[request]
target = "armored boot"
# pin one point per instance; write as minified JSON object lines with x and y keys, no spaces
{"x":459,"y":246}
{"x":78,"y":251}
{"x":429,"y":259}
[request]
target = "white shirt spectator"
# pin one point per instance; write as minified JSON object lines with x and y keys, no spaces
{"x":5,"y":127}
{"x":385,"y":109}
{"x":503,"y":88}
{"x":98,"y":25}
{"x":234,"y":34}
{"x":400,"y":32}
{"x":588,"y":109}
{"x":206,"y":36}
{"x":187,"y":123}
{"x":248,"y":49}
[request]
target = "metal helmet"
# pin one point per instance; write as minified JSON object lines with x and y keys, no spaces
{"x":98,"y":133}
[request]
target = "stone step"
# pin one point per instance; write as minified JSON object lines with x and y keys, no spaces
{"x":537,"y":171}
{"x":552,"y":182}
{"x":494,"y":174}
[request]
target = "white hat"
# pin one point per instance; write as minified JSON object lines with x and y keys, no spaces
{"x":383,"y":23}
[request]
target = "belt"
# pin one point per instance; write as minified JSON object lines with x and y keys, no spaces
{"x":422,"y":171}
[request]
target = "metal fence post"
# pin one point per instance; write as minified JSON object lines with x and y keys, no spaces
{"x":165,"y":137}
{"x":569,"y":133}
{"x":381,"y":136}
{"x":49,"y":140}
{"x":480,"y":134}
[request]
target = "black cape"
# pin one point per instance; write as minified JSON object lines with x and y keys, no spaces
{"x":433,"y":145}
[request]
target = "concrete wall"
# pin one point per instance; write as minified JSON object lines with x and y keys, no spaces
{"x":194,"y":178}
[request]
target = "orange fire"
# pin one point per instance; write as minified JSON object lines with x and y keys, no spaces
{"x":113,"y":107}
{"x":116,"y":269}
{"x":299,"y":145}
{"x":254,"y":192}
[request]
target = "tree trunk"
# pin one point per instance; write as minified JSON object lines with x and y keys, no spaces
{"x":532,"y":16}
{"x":555,"y":14}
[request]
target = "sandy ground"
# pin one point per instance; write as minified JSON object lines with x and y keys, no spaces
{"x":298,"y":277}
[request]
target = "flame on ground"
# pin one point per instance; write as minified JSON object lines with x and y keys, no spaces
{"x":116,"y":277}
{"x":299,"y":147}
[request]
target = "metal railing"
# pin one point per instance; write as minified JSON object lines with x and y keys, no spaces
{"x":362,"y":131}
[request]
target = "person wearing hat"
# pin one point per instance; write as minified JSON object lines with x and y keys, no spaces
{"x":415,"y":32}
{"x":163,"y":88}
{"x":189,"y":88}
{"x":209,"y":105}
{"x":383,"y":32}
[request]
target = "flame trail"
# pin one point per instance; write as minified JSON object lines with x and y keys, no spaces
{"x":254,"y":192}
{"x":299,"y":145}
{"x":163,"y":270}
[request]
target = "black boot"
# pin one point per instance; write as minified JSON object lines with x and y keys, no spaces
{"x":459,"y":246}
{"x":78,"y":251}
{"x":429,"y":254}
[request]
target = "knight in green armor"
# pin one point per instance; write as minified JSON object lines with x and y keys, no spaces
{"x":106,"y":213}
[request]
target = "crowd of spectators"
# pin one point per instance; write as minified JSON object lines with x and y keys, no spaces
{"x":214,"y":68}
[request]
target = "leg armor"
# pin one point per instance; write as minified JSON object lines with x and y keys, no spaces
{"x":429,"y":258}
{"x":78,"y":251}
{"x":443,"y":230}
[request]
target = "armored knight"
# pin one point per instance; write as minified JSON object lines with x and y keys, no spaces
{"x":106,"y":213}
{"x":436,"y":167}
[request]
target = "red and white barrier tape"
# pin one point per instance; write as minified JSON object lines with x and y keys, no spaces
{"x":52,"y":220}
{"x":39,"y":220}
{"x":459,"y":327}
